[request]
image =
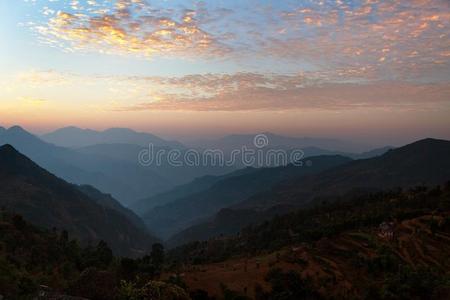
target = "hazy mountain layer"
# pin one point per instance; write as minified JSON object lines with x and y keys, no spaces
{"x":125,"y":180}
{"x":48,"y":201}
{"x":235,"y":141}
{"x":230,"y":190}
{"x":423,"y":162}
{"x":77,"y":137}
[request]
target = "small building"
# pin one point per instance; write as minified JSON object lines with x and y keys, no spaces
{"x":386,"y":230}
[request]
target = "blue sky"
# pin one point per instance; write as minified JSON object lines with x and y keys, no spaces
{"x":245,"y":31}
{"x":175,"y":67}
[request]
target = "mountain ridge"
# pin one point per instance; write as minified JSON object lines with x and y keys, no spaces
{"x":397,"y":167}
{"x":199,"y":184}
{"x":422,"y":162}
{"x":232,"y":141}
{"x":229,"y":190}
{"x":126,"y":180}
{"x":77,"y":137}
{"x":48,"y":201}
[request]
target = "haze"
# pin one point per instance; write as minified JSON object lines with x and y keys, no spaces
{"x":372,"y":71}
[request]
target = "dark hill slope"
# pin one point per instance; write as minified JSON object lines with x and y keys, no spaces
{"x":189,"y":210}
{"x":108,"y":201}
{"x":127,"y":181}
{"x":195,"y":186}
{"x":48,"y":201}
{"x":324,"y":220}
{"x":425,"y":162}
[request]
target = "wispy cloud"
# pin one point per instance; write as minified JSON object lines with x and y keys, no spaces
{"x":246,"y":92}
{"x":32,"y":101}
{"x":388,"y":39}
{"x":343,"y":54}
{"x":127,"y":27}
{"x":39,"y":78}
{"x":382,"y":40}
{"x":249,"y":92}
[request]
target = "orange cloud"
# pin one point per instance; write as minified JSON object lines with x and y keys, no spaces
{"x":237,"y":92}
{"x":401,"y":40}
{"x":130,"y":27}
{"x":250,"y":92}
{"x":378,"y":35}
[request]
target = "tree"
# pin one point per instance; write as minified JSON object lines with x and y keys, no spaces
{"x":64,"y":238}
{"x":100,"y":256}
{"x":18,"y":222}
{"x":290,"y":286}
{"x":104,"y":254}
{"x":157,"y":257}
{"x":151,"y":290}
{"x":95,"y":284}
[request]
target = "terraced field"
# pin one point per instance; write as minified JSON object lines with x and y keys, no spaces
{"x":348,"y":265}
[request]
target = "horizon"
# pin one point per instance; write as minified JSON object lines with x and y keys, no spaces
{"x":367,"y":71}
{"x":192,"y":139}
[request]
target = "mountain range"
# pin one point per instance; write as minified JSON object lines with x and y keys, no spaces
{"x":380,"y":245}
{"x":173,"y":174}
{"x":203,"y":198}
{"x":87,"y":214}
{"x":112,"y":168}
{"x":108,"y":160}
{"x":237,"y":141}
{"x":74,"y":137}
{"x":126,"y":181}
{"x":424,"y":162}
{"x":333,"y":215}
{"x":179,"y":202}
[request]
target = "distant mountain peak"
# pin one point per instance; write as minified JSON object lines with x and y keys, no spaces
{"x":17,"y":128}
{"x":74,"y":129}
{"x":78,"y":138}
{"x":120,"y":129}
{"x":22,"y":140}
{"x":18,"y":131}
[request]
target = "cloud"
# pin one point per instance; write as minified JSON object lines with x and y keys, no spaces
{"x":128,"y":27}
{"x":252,"y":92}
{"x":32,"y":101}
{"x":390,"y":39}
{"x":39,"y":78}
{"x":245,"y":91}
{"x":383,"y":40}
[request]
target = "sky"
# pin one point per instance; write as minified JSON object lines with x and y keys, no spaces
{"x":368,"y":70}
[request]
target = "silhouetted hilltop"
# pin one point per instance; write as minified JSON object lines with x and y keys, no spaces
{"x":422,"y":162}
{"x":425,"y":162}
{"x":48,"y":201}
